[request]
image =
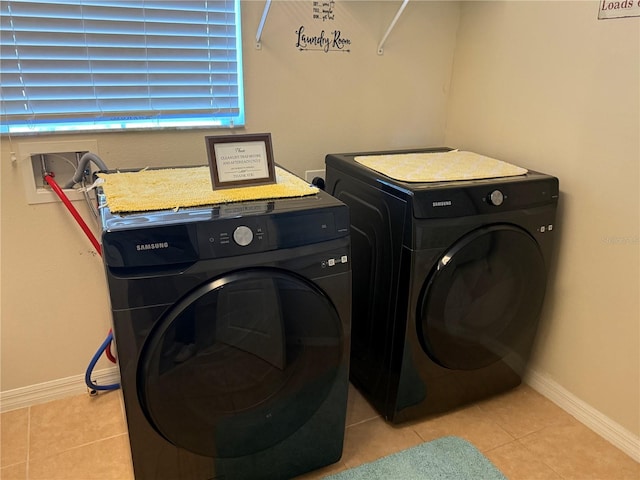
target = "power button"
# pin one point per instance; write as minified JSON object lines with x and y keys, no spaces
{"x":496,"y":198}
{"x":243,"y":235}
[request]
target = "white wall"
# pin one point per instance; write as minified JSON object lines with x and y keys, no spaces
{"x":55,"y":310}
{"x":548,"y":86}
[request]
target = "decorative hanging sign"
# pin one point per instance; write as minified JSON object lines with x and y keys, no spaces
{"x":322,"y":36}
{"x":618,"y":9}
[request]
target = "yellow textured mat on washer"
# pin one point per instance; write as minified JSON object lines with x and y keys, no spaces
{"x":172,"y":188}
{"x":439,"y":166}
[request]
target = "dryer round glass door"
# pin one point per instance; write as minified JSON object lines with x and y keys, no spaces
{"x":240,"y":363}
{"x":482,"y":300}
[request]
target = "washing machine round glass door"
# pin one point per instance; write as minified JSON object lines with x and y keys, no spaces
{"x":240,"y":363}
{"x":482,"y":300}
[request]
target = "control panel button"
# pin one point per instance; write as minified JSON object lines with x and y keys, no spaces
{"x":496,"y":198}
{"x":243,"y":235}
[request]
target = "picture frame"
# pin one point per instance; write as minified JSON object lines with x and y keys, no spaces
{"x":240,"y":160}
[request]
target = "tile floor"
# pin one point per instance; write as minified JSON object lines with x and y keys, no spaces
{"x":525,"y":435}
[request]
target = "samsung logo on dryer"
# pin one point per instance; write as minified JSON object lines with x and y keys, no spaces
{"x":444,"y":203}
{"x":152,"y":246}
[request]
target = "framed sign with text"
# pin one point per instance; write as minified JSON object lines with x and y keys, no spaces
{"x":240,"y":160}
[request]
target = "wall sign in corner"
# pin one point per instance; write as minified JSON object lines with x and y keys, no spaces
{"x":618,"y":9}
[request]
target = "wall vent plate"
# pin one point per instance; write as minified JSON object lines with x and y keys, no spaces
{"x":29,"y":164}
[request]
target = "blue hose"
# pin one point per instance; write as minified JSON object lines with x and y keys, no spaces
{"x":92,"y":364}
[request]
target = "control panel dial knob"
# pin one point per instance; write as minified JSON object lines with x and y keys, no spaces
{"x":243,"y":235}
{"x":496,"y":198}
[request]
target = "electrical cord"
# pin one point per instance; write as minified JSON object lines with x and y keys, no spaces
{"x":92,"y":205}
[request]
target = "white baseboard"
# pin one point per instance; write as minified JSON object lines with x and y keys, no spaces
{"x":55,"y":389}
{"x":586,"y":414}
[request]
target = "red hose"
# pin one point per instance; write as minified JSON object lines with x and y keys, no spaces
{"x":56,"y":188}
{"x":108,"y":351}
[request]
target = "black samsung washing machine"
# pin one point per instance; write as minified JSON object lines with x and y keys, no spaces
{"x":232,"y":328}
{"x":448,"y":283}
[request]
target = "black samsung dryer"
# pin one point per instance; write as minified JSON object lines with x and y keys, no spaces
{"x":448,"y":283}
{"x":232,"y":329}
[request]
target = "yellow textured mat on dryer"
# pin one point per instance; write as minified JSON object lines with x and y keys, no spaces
{"x":439,"y":166}
{"x":172,"y":188}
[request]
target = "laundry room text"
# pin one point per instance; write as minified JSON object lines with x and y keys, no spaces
{"x":324,"y":41}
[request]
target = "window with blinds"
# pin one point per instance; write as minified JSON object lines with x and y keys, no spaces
{"x":78,"y":65}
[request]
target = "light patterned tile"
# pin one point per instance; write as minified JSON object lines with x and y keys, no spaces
{"x":577,"y":453}
{"x":108,"y":459}
{"x":14,"y":434}
{"x":358,"y":409}
{"x":14,"y":472}
{"x":71,"y":422}
{"x":518,"y":463}
{"x":469,"y":423}
{"x":367,"y":441}
{"x":523,"y":411}
{"x":85,"y":437}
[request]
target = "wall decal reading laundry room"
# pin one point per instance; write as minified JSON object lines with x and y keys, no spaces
{"x":325,"y":42}
{"x":322,"y":37}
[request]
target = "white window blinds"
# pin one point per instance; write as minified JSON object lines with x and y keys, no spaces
{"x":99,"y":64}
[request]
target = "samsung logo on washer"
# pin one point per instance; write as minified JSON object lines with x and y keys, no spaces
{"x":152,"y":246}
{"x":444,"y":203}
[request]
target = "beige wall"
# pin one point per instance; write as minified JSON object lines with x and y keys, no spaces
{"x":544,"y":85}
{"x":55,"y":310}
{"x":548,"y":86}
